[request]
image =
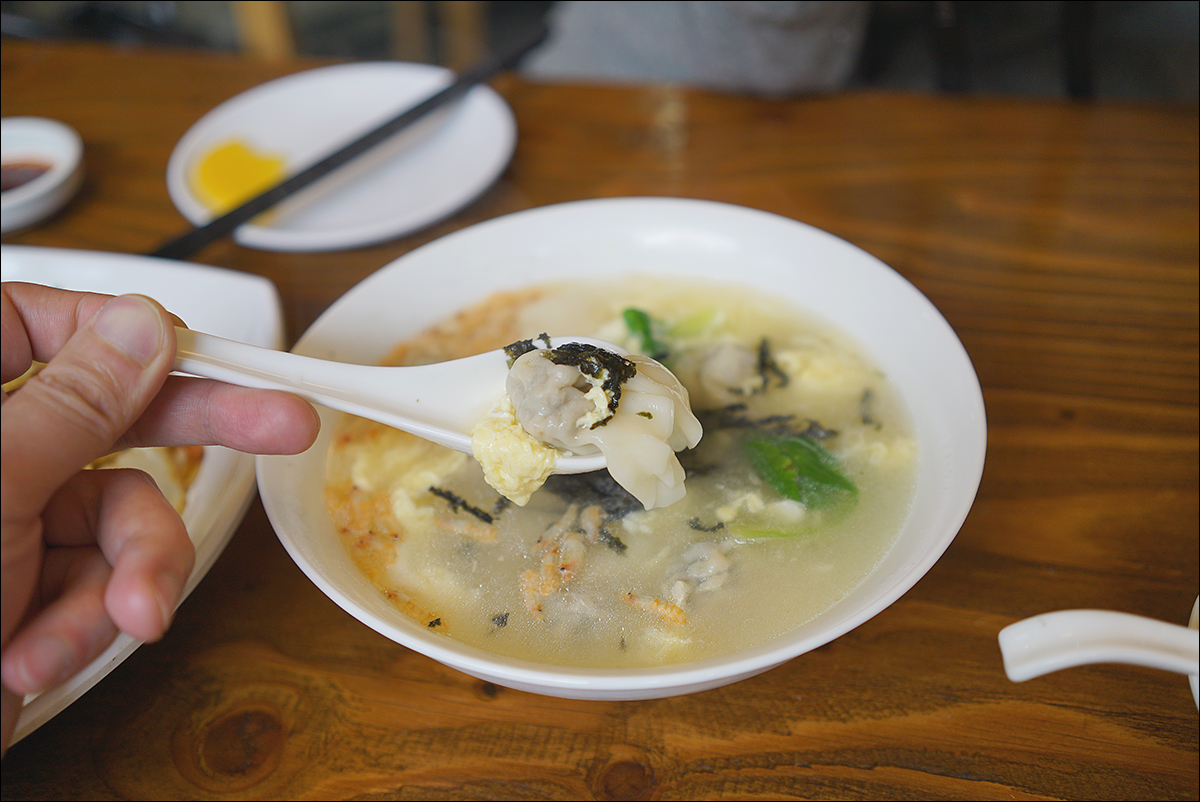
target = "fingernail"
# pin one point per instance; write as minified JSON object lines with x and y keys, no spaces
{"x":131,"y":324}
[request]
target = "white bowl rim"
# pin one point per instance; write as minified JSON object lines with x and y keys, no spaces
{"x":678,"y":678}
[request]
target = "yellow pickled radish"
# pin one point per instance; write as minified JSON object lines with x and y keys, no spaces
{"x":232,"y":173}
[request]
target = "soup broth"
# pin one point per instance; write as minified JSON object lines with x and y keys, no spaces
{"x":583,"y":575}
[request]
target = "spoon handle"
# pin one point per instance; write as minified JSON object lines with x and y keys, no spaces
{"x":1067,"y":638}
{"x":263,"y":368}
{"x":420,"y":400}
{"x":440,"y":402}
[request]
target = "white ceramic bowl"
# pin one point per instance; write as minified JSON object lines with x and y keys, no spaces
{"x":896,"y":325}
{"x":40,"y":141}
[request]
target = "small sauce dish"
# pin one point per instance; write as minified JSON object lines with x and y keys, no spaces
{"x":42,"y":169}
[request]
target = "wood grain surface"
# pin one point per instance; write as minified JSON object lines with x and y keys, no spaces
{"x":1058,"y":239}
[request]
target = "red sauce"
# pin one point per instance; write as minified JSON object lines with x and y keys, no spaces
{"x":20,"y":173}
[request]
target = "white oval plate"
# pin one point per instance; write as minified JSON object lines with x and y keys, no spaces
{"x":853,"y":291}
{"x":235,"y":305}
{"x":418,"y":177}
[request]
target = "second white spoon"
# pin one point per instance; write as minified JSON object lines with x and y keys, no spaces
{"x":1067,"y":638}
{"x":441,"y":402}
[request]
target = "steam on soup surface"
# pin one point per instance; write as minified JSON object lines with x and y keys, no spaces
{"x":802,"y":478}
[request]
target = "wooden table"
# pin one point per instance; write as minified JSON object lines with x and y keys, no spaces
{"x":1059,"y":240}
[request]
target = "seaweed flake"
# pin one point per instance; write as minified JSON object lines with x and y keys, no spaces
{"x":815,"y":431}
{"x":520,"y":348}
{"x":612,"y":541}
{"x":597,"y":487}
{"x":692,"y":464}
{"x":435,"y":623}
{"x":500,"y":620}
{"x":865,"y":404}
{"x":768,"y":367}
{"x":700,"y":527}
{"x":734,"y":417}
{"x":610,"y":369}
{"x":458,"y":503}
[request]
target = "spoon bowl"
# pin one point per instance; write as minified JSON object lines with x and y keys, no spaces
{"x":441,"y":402}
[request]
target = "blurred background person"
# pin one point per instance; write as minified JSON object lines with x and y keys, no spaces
{"x":753,"y":46}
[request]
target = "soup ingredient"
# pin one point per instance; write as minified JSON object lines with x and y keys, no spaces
{"x":642,"y":327}
{"x":580,"y":398}
{"x":514,"y":462}
{"x":232,"y":173}
{"x":800,"y":469}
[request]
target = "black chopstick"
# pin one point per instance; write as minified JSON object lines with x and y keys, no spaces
{"x":192,"y":241}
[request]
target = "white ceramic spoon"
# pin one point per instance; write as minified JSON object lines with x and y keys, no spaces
{"x":440,"y":402}
{"x":1067,"y":638}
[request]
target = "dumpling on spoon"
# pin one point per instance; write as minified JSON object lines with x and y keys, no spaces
{"x":581,"y":398}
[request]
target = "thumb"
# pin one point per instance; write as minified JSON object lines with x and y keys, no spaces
{"x":84,"y":399}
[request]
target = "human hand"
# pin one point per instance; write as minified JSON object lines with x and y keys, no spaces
{"x":89,"y":553}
